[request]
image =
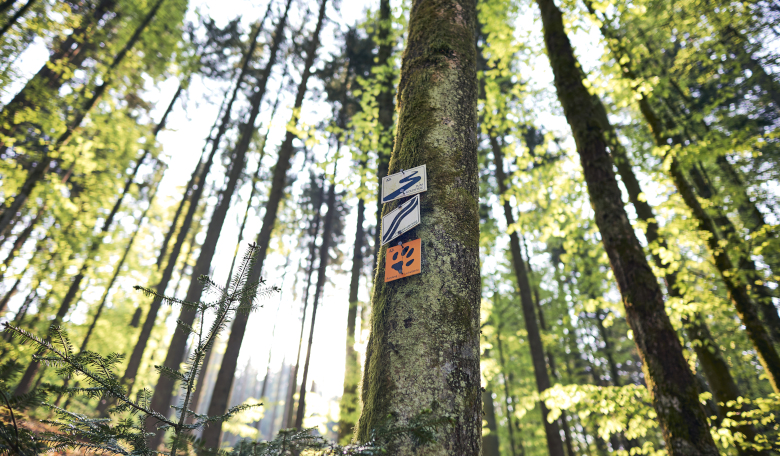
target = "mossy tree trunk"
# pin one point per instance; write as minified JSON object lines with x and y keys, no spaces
{"x":348,"y":408}
{"x":224,"y":382}
{"x":542,"y":376}
{"x":423,"y":352}
{"x":670,"y":381}
{"x":714,"y":366}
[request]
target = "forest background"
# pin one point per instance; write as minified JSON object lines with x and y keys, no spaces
{"x":714,"y":94}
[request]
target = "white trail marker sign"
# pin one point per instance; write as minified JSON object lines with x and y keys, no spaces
{"x":406,"y":183}
{"x":401,"y":219}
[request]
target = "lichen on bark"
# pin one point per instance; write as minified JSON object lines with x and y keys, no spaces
{"x":423,"y":353}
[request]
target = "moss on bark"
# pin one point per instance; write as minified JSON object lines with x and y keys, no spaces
{"x":424,"y":347}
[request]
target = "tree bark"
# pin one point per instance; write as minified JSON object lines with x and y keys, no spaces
{"x":542,"y":376}
{"x":386,"y":110}
{"x":219,"y":405}
{"x":669,"y":379}
{"x":349,"y":404}
{"x":423,"y":352}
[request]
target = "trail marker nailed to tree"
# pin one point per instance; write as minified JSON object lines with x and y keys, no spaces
{"x":406,"y":183}
{"x":403,"y":260}
{"x":401,"y":219}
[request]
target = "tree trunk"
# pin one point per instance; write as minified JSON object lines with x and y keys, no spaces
{"x":118,"y":267}
{"x":507,"y":395}
{"x":425,"y":328}
{"x":314,"y":229}
{"x":669,"y":379}
{"x":219,"y":405}
{"x":552,"y":432}
{"x":327,"y":231}
{"x":386,"y":110}
{"x":277,"y":398}
{"x":146,"y":330}
{"x":17,"y":15}
{"x":716,"y":370}
{"x":490,"y":441}
{"x":177,"y":347}
{"x":349,"y":404}
{"x":21,"y":239}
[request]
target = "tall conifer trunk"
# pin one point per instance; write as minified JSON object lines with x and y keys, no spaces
{"x":349,"y":404}
{"x":219,"y":399}
{"x":288,"y":419}
{"x":177,"y":348}
{"x":327,"y":231}
{"x":490,"y":441}
{"x":542,"y":376}
{"x":423,"y":352}
{"x":670,"y":382}
{"x":194,"y":201}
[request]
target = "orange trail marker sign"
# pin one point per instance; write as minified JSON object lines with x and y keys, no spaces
{"x":403,"y":260}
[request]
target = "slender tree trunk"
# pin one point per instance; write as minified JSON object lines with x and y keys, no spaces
{"x":21,"y":239}
{"x":386,"y":107}
{"x":118,"y":268}
{"x":349,"y":404}
{"x":177,"y":348}
{"x":669,"y":379}
{"x":277,"y":398}
{"x":425,"y":328}
{"x":327,"y":232}
{"x":552,"y":432}
{"x":135,"y":358}
{"x":507,"y":395}
{"x":490,"y":445}
{"x":218,"y":406}
{"x":15,"y":18}
{"x":314,"y":230}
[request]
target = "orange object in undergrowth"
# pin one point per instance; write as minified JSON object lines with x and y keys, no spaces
{"x":403,"y":260}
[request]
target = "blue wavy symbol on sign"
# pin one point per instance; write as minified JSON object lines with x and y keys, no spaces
{"x":409,"y":180}
{"x":398,"y":218}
